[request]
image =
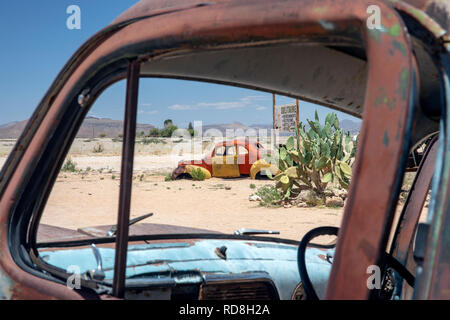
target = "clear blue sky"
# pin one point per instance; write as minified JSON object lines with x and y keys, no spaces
{"x":36,"y":44}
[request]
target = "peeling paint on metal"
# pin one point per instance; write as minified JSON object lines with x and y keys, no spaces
{"x":327,"y":25}
{"x":179,"y":262}
{"x":6,"y":286}
{"x":386,"y":139}
{"x":403,"y":83}
{"x":399,"y":46}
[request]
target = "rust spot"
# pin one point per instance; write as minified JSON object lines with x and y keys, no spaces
{"x":367,"y":248}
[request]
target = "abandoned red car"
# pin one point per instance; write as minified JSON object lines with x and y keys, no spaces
{"x":229,"y":159}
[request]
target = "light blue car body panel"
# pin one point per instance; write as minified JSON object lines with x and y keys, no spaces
{"x":278,"y":261}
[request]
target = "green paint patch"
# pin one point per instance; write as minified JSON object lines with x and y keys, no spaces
{"x":384,"y":99}
{"x":386,"y":138}
{"x":399,"y":128}
{"x":319,"y":10}
{"x":403,"y":82}
{"x":418,"y":14}
{"x":400,"y":47}
{"x":395,"y":30}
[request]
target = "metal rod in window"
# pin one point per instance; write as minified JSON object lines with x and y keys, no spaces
{"x":126,"y":178}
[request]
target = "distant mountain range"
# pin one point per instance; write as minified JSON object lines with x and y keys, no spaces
{"x":93,"y":127}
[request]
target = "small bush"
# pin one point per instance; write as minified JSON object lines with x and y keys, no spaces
{"x":270,"y":196}
{"x":98,"y":148}
{"x":113,"y":177}
{"x":198,"y":175}
{"x":69,"y":166}
{"x":102,"y":135}
{"x":168,"y":177}
{"x":154,"y":132}
{"x":152,"y":140}
{"x":252,"y":186}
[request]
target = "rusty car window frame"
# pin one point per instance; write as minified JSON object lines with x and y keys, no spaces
{"x":42,"y":135}
{"x":126,"y":178}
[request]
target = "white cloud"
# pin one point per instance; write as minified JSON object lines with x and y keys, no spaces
{"x":182,"y":107}
{"x":222,"y":105}
{"x":148,"y":112}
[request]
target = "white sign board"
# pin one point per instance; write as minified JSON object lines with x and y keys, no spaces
{"x":285,"y":117}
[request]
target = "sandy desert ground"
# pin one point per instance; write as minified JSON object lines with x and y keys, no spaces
{"x":89,"y":197}
{"x":215,"y":204}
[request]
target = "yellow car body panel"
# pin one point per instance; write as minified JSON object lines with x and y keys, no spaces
{"x":225,"y":167}
{"x":188,"y":169}
{"x":263,"y":165}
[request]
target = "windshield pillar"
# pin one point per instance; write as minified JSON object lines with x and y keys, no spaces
{"x":126,"y":177}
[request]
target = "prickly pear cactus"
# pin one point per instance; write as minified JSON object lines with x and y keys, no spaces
{"x":319,"y":156}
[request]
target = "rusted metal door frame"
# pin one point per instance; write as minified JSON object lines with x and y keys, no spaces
{"x":402,"y":242}
{"x":409,"y":217}
{"x":434,"y":277}
{"x":237,"y":23}
{"x":126,"y":178}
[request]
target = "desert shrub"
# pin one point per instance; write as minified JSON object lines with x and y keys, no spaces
{"x":102,"y":135}
{"x":147,"y":141}
{"x":98,"y":148}
{"x":197,"y":174}
{"x":69,"y":166}
{"x":252,"y":186}
{"x":154,"y":132}
{"x":168,"y":177}
{"x":270,"y":196}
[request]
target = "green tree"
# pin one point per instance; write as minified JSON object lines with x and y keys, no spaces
{"x":168,"y":131}
{"x":191,"y":129}
{"x":168,"y":123}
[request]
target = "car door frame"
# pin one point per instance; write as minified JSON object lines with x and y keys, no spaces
{"x":101,"y":62}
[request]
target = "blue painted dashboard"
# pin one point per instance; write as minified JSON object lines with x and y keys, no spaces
{"x":277,"y":260}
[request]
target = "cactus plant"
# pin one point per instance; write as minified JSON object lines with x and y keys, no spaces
{"x":319,"y":156}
